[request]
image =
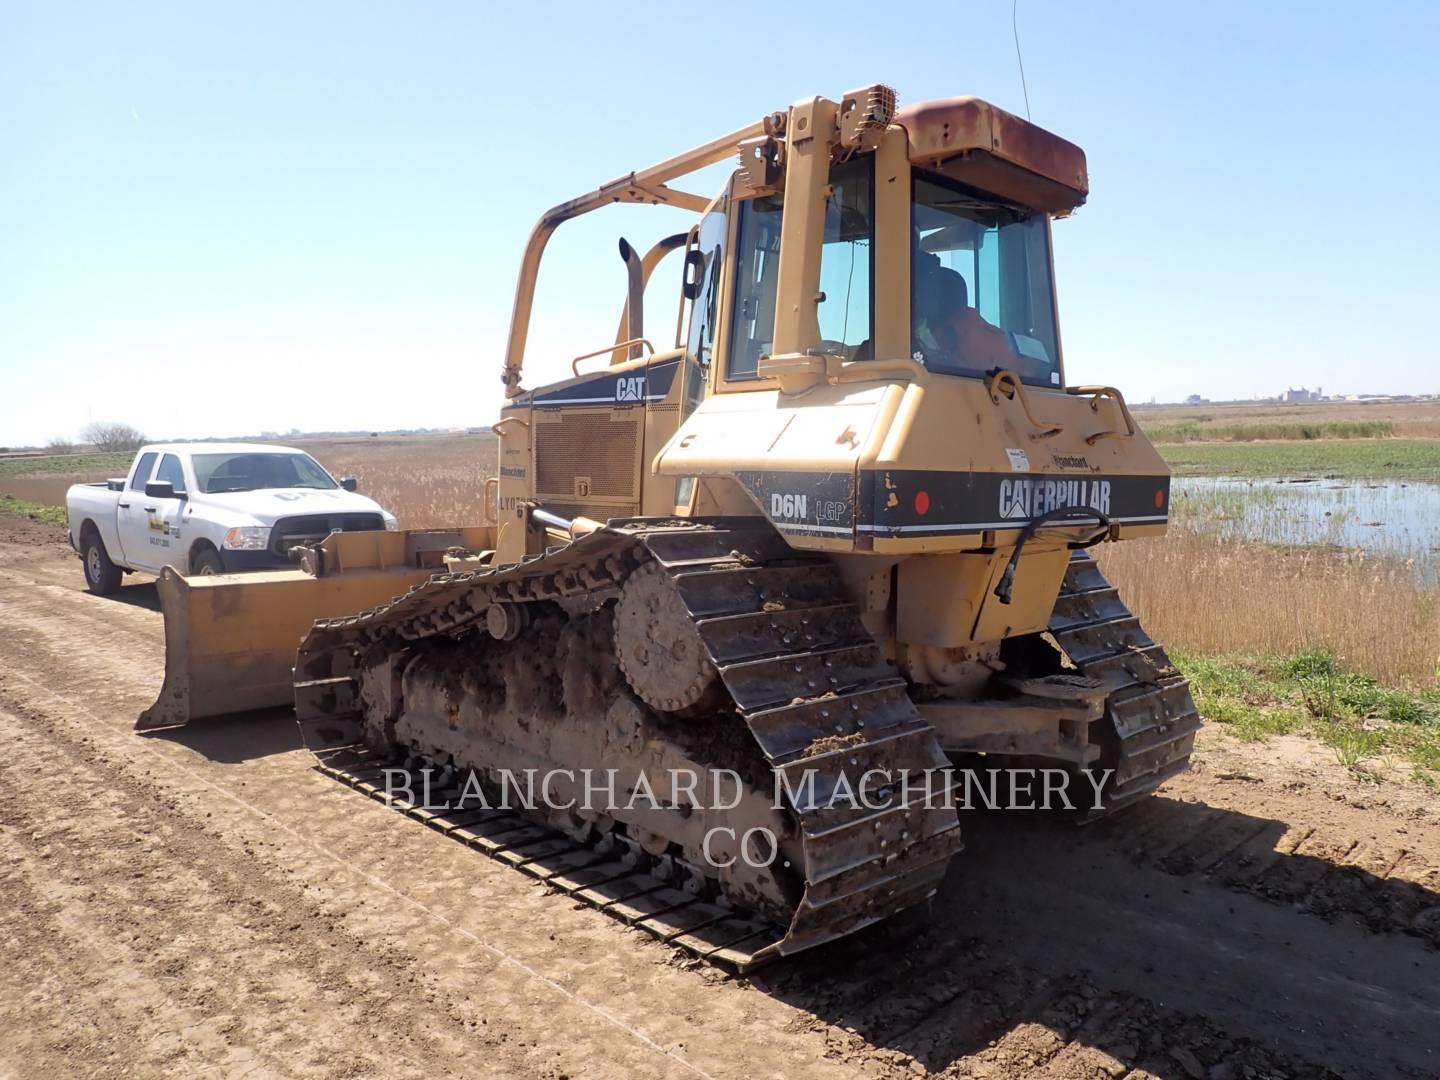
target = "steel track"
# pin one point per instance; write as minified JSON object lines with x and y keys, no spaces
{"x":1150,"y":718}
{"x":813,"y":688}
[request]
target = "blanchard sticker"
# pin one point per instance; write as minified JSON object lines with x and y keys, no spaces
{"x":1019,"y":461}
{"x":1023,"y":499}
{"x":1070,"y":461}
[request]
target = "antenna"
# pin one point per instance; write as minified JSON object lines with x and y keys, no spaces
{"x":1015,"y":29}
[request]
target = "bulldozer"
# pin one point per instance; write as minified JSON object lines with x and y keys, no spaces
{"x":834,"y":538}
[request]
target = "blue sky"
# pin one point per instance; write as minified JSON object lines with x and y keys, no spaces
{"x":227,"y":219}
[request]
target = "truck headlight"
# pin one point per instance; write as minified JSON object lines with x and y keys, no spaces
{"x":248,"y":538}
{"x":391,"y":523}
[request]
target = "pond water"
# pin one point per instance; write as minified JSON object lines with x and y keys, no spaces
{"x":1383,"y":516}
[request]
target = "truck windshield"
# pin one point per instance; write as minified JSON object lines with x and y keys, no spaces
{"x":980,"y":285}
{"x":217,"y":473}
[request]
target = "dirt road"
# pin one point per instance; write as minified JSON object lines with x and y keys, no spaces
{"x":204,"y":903}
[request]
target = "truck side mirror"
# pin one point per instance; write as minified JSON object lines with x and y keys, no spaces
{"x":160,"y":489}
{"x":349,"y":483}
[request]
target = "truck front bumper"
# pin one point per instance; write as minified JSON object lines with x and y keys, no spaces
{"x":236,"y":562}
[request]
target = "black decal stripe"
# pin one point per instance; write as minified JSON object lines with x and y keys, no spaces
{"x":905,"y":502}
{"x":885,"y":502}
{"x":603,"y":388}
{"x":805,"y":503}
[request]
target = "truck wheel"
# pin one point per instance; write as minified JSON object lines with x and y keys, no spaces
{"x":102,"y":577}
{"x":206,"y":561}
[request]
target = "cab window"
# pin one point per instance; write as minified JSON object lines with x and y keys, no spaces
{"x":171,"y":472}
{"x":846,"y":266}
{"x":710,"y":243}
{"x":142,"y":471}
{"x":980,"y":284}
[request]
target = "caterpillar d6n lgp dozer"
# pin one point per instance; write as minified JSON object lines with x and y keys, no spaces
{"x":831,"y":541}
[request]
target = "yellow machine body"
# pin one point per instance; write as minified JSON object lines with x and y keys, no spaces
{"x":856,"y":449}
{"x":837,"y":524}
{"x":920,"y":482}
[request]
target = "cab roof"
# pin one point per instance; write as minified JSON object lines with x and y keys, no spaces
{"x":995,"y":151}
{"x":218,"y":448}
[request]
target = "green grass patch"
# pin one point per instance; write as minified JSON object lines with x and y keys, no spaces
{"x":46,"y":464}
{"x":1350,"y":459}
{"x":55,"y":515}
{"x":1256,"y":697}
{"x":1302,"y":430}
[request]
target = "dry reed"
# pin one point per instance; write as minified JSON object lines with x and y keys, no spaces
{"x":427,"y":482}
{"x":1210,"y":595}
{"x":1411,"y":419}
{"x":1193,"y":590}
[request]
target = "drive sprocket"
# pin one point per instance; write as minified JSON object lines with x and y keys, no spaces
{"x":657,"y":644}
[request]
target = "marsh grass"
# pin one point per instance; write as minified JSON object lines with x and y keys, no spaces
{"x":55,"y":515}
{"x":1210,"y":595}
{"x":44,"y":479}
{"x":1303,"y":430}
{"x":66,"y":464}
{"x":1386,"y":459}
{"x":1257,"y":696}
{"x":1409,"y":419}
{"x":427,"y":482}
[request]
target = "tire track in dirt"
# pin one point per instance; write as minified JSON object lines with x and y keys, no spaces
{"x":122,"y":889}
{"x":515,"y":1003}
{"x":286,"y":785}
{"x":1320,"y":858}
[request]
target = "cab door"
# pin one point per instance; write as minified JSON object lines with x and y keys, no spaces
{"x":132,"y":519}
{"x":673,"y":392}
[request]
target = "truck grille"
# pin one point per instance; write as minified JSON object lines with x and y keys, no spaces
{"x":312,"y":528}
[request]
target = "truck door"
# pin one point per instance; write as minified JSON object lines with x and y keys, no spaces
{"x":165,"y":515}
{"x":132,"y":520}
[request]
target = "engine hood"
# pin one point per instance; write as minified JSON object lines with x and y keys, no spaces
{"x":269,"y":505}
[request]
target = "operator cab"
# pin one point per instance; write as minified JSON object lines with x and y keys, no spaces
{"x":981,"y":294}
{"x":960,"y":193}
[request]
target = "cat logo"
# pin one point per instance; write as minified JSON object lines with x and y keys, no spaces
{"x":630,"y":388}
{"x":1027,"y":498}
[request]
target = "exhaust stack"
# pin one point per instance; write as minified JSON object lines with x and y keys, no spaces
{"x":635,"y":299}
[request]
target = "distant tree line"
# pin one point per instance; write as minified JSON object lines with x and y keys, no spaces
{"x":102,"y":435}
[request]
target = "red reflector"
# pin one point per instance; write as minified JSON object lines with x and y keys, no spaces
{"x":1159,"y":499}
{"x":922,"y":502}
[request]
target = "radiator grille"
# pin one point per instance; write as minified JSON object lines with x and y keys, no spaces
{"x":312,"y":528}
{"x":587,"y":444}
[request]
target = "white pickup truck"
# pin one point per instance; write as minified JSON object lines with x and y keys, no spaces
{"x":210,"y":508}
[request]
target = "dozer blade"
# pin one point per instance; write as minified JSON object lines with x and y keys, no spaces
{"x":230,"y":639}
